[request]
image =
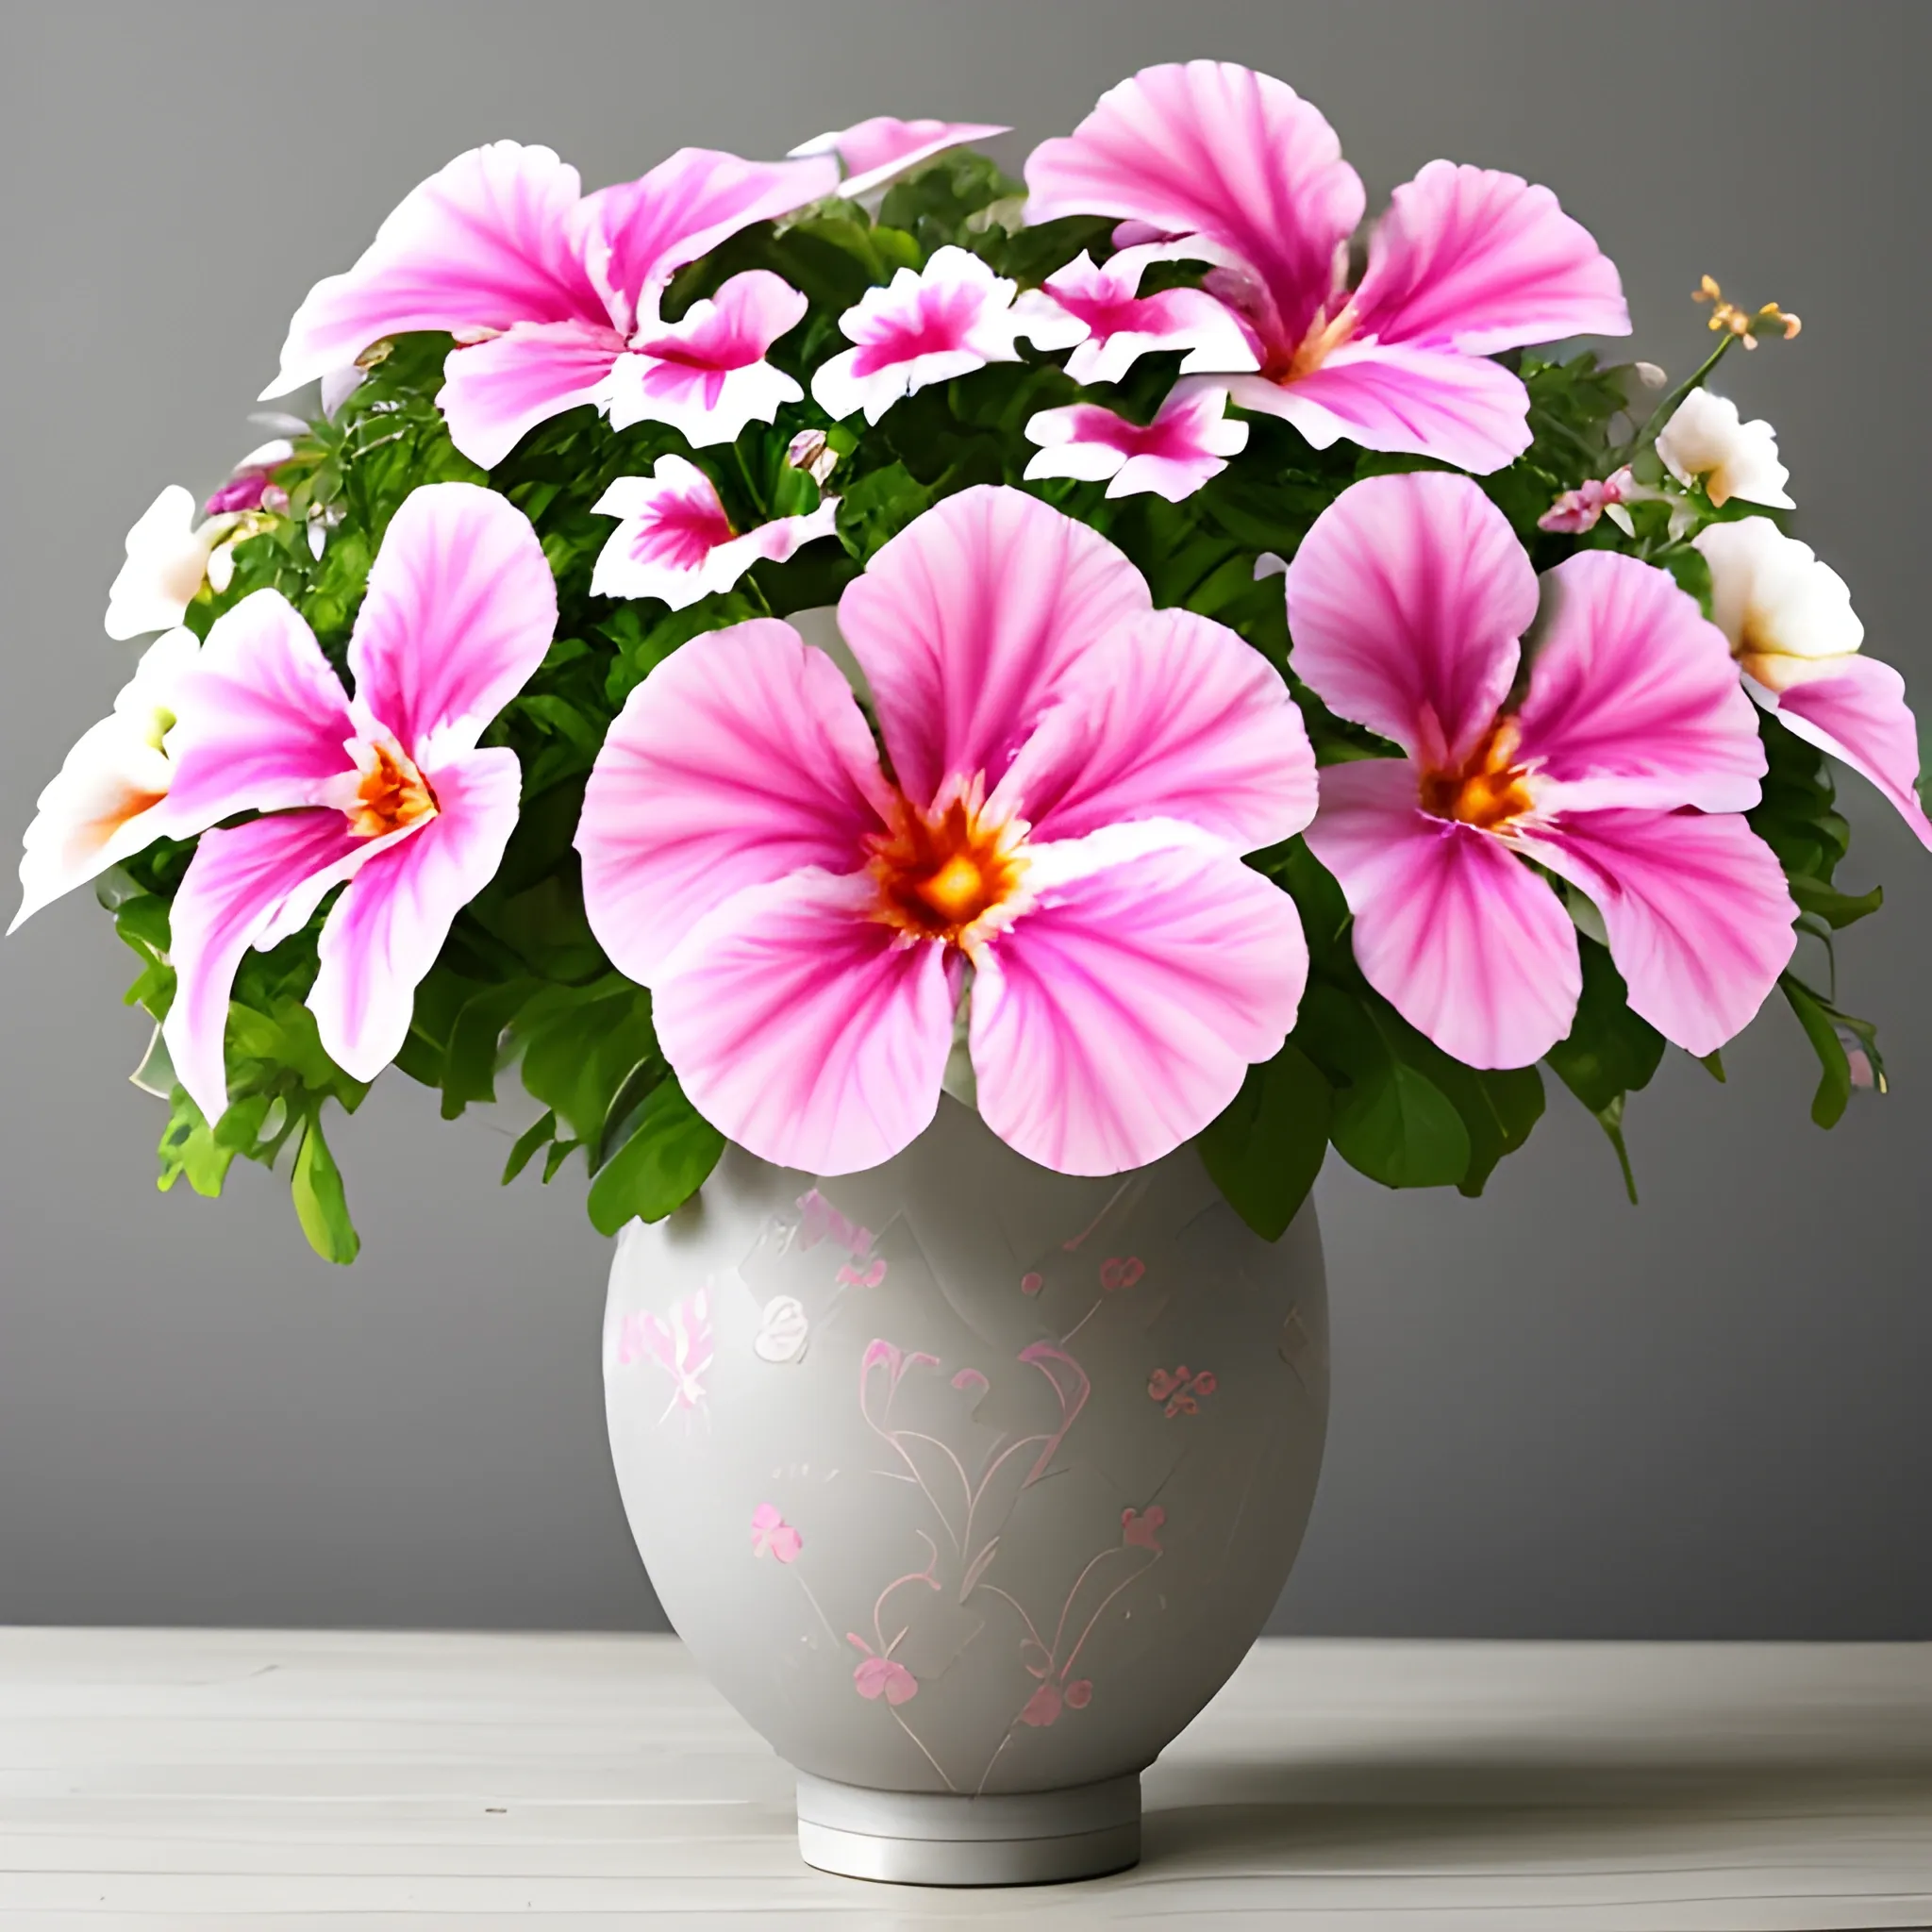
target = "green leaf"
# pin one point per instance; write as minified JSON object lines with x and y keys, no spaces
{"x":1608,"y":1053}
{"x":663,"y":1164}
{"x":1837,"y":909}
{"x":320,"y":1205}
{"x":1266,"y":1149}
{"x":189,"y":1150}
{"x":470,"y":1061}
{"x":1833,"y":1035}
{"x":533,"y":1137}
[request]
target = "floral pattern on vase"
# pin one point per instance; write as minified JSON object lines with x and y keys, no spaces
{"x":1000,"y":1566}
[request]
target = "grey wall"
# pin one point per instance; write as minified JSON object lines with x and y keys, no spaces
{"x":1553,"y":1414}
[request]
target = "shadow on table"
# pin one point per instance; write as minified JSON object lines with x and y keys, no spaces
{"x":1285,"y":1816}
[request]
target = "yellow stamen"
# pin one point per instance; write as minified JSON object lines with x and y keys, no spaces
{"x":1727,"y":315}
{"x":390,"y":795}
{"x":1488,"y":791}
{"x":941,"y":873}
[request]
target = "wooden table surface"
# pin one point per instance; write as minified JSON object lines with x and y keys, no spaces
{"x":198,"y":1778}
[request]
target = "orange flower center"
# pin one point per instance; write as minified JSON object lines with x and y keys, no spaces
{"x":390,"y":793}
{"x":1488,"y":791}
{"x":1325,"y":333}
{"x":943,"y":874}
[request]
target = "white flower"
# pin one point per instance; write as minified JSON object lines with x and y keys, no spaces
{"x":167,"y":564}
{"x":108,"y":801}
{"x":1772,"y":597}
{"x":1705,"y":439}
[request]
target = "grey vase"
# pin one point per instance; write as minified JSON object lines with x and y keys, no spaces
{"x":967,"y":1483}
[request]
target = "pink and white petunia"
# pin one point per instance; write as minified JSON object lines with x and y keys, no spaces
{"x":1466,"y":262}
{"x":675,"y":542}
{"x":109,"y":799}
{"x":548,"y":291}
{"x":387,"y":790}
{"x":1122,"y":325}
{"x":1075,"y":778}
{"x":1796,"y":639}
{"x":875,"y":153}
{"x":1623,"y":769}
{"x":1189,"y":442}
{"x":1706,"y":440}
{"x":947,"y":318}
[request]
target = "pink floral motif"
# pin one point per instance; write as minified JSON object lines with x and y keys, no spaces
{"x":881,"y":1677}
{"x":1181,"y":1388}
{"x":771,"y":1533}
{"x":1032,"y":1282}
{"x":1079,"y":1694}
{"x":850,"y":1277}
{"x":970,"y":1378}
{"x":823,"y":1221}
{"x":1140,"y":1528}
{"x":1576,"y":510}
{"x":1043,"y":1707}
{"x":681,"y":1346}
{"x":1117,"y":1272}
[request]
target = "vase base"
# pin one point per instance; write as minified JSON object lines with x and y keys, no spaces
{"x":920,"y":1838}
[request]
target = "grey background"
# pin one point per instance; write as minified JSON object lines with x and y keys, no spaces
{"x":1553,"y":1414}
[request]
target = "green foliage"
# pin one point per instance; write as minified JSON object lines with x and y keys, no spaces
{"x":524,"y":995}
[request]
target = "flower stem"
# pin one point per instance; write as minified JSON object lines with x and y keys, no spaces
{"x":1668,"y":407}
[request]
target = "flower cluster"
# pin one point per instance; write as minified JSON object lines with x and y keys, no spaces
{"x":763,"y":645}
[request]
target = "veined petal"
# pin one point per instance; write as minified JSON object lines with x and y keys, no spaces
{"x":265,"y":721}
{"x":1633,"y":698}
{"x":461,"y":609}
{"x":1467,"y":943}
{"x":1187,"y":444}
{"x":879,"y":150}
{"x":1698,"y":914}
{"x":1101,"y":315}
{"x":1855,"y":708}
{"x":1122,"y":1014}
{"x":485,"y":244}
{"x":1172,"y":716}
{"x":1478,"y":260}
{"x":1213,"y":149}
{"x":706,"y":375}
{"x":1405,"y":603}
{"x":241,"y":887}
{"x":637,"y":236}
{"x":741,"y":760}
{"x":966,"y":622}
{"x":1402,"y":398}
{"x":382,"y":936}
{"x":804,"y":1028}
{"x":495,"y":393}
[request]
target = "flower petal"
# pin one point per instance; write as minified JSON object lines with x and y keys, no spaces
{"x":242,"y":885}
{"x":1696,"y":908}
{"x":494,"y":393}
{"x":167,"y":559}
{"x":1772,"y":597}
{"x":1461,"y":937}
{"x":265,"y":721}
{"x":1122,"y":1014}
{"x":638,"y":235}
{"x":1706,"y":439}
{"x":875,"y":150}
{"x":1405,"y":603}
{"x":382,"y":936}
{"x":1633,"y":698}
{"x":1214,"y":149}
{"x":804,"y":1028}
{"x":1478,"y":260}
{"x":1411,"y":400}
{"x":1172,"y":716}
{"x":967,"y":620}
{"x":484,"y":243}
{"x":459,"y":612}
{"x":1855,"y":708}
{"x":742,"y":759}
{"x":1187,"y":444}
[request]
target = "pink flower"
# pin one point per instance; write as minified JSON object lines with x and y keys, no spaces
{"x":1140,"y":1528}
{"x":1189,"y":442}
{"x":1043,"y":1707}
{"x":550,"y":290}
{"x":948,"y":319}
{"x":878,"y":151}
{"x":1622,"y":770}
{"x":1075,"y":776}
{"x":881,"y":1677}
{"x":771,"y":1533}
{"x":388,"y":791}
{"x":1466,"y":262}
{"x":1122,"y":325}
{"x":675,"y":542}
{"x":251,"y":485}
{"x":1119,"y":1271}
{"x":1576,"y":510}
{"x":1797,"y":641}
{"x":680,"y":1343}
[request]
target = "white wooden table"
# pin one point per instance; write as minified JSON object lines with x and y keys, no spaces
{"x":209,"y":1778}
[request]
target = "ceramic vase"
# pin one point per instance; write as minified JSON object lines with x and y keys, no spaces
{"x":967,"y":1482}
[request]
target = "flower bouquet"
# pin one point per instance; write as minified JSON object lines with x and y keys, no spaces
{"x":752,"y":649}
